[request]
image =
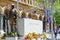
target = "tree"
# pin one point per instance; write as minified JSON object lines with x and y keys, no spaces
{"x":56,"y":14}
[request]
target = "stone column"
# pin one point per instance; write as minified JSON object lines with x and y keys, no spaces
{"x":19,"y":0}
{"x":29,"y":1}
{"x":32,"y":2}
{"x":26,"y":1}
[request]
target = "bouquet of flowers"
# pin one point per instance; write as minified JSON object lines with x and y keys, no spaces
{"x":34,"y":36}
{"x":1,"y":34}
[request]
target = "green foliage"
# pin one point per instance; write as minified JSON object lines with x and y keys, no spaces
{"x":3,"y":37}
{"x":57,"y":6}
{"x":44,"y":36}
{"x":56,"y":14}
{"x":12,"y":34}
{"x":38,"y":1}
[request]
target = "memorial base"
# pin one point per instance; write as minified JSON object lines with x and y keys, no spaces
{"x":26,"y":26}
{"x":11,"y":38}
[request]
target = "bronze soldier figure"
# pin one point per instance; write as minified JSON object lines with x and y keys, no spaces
{"x":6,"y":14}
{"x":12,"y":19}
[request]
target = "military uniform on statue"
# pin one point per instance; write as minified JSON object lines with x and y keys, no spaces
{"x":34,"y":15}
{"x":23,"y":15}
{"x":12,"y":18}
{"x":29,"y":15}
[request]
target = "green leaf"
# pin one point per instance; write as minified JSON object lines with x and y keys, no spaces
{"x":56,"y":14}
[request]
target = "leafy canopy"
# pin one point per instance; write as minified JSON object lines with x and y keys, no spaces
{"x":56,"y":14}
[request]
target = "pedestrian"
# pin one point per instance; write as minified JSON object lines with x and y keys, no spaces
{"x":44,"y":24}
{"x":59,"y":31}
{"x":55,"y":29}
{"x":3,"y":18}
{"x":55,"y":33}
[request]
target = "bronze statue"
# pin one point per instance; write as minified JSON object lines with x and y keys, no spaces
{"x":34,"y":15}
{"x":23,"y":15}
{"x":12,"y":18}
{"x":29,"y":15}
{"x":6,"y":17}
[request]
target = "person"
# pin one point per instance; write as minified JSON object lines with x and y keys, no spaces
{"x":55,"y":33}
{"x":49,"y":21}
{"x":3,"y":18}
{"x":55,"y":28}
{"x":44,"y":23}
{"x":6,"y":15}
{"x":12,"y":18}
{"x":59,"y":31}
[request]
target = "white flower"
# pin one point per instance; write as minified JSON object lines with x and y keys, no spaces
{"x":1,"y":32}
